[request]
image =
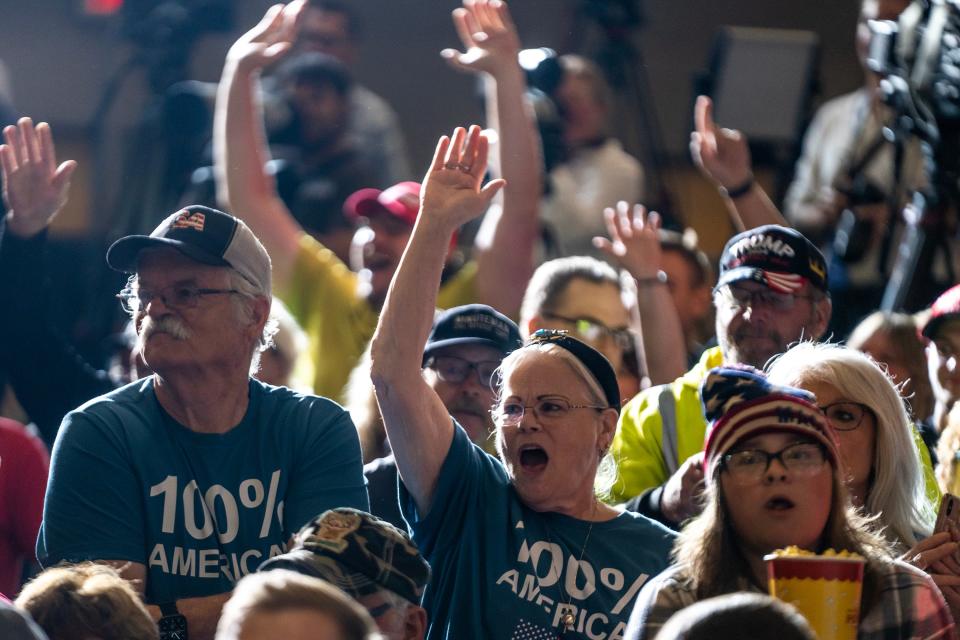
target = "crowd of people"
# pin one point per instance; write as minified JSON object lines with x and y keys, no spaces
{"x":331,"y":417}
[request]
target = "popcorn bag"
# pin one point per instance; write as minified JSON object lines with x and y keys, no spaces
{"x":824,"y":588}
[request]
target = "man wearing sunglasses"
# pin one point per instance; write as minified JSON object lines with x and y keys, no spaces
{"x":460,"y":360}
{"x":772,"y":292}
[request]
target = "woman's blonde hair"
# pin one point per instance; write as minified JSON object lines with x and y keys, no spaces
{"x":897,"y":494}
{"x":86,"y":601}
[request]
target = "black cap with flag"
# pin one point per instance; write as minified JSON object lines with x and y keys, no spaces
{"x":779,"y":257}
{"x":205,"y":235}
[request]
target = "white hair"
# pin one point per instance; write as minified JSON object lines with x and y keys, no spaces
{"x":246,"y":293}
{"x":897,"y":493}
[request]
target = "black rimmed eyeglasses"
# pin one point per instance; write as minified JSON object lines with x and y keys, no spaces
{"x":846,"y":416}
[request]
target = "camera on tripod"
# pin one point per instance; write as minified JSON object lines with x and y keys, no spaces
{"x":921,"y":53}
{"x":918,"y":57}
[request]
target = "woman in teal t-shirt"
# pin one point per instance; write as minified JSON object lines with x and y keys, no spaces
{"x":521,"y":548}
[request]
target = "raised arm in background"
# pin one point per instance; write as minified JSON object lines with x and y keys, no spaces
{"x":240,"y":149}
{"x":504,"y":245}
{"x":417,"y":422}
{"x":724,"y":158}
{"x":34,"y":186}
{"x":47,"y":375}
{"x":635,"y":244}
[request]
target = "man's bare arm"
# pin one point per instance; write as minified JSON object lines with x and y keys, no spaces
{"x":202,"y":614}
{"x":504,"y":245}
{"x":634,"y":242}
{"x":239,"y":141}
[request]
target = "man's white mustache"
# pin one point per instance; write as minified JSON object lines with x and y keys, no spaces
{"x":166,"y":324}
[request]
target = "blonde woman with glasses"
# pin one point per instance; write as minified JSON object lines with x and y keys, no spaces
{"x":885,"y":466}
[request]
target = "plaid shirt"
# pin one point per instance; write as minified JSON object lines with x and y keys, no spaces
{"x":910,"y":606}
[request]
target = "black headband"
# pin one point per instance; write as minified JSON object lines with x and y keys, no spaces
{"x":593,"y":360}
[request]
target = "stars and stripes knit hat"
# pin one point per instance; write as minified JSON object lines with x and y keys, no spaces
{"x":739,"y":402}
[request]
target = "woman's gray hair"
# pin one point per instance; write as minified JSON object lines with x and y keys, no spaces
{"x":606,"y":473}
{"x":897,"y":492}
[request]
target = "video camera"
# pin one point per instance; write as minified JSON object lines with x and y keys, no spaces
{"x":920,"y":53}
{"x":918,"y":58}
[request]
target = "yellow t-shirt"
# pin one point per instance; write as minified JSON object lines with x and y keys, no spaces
{"x":322,"y":296}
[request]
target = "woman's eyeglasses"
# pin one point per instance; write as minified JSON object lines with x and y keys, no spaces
{"x":510,"y":414}
{"x":845,"y":416}
{"x":748,"y":465}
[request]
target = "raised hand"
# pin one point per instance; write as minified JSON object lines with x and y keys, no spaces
{"x":937,"y":556}
{"x":488,"y":35}
{"x":721,"y":154}
{"x":634,"y":241}
{"x":270,"y":39}
{"x":34,"y":186}
{"x":452,"y":193}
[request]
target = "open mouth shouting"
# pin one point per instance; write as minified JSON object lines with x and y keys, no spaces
{"x":533,"y":458}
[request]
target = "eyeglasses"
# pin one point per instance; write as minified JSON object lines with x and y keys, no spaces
{"x":177,"y":297}
{"x":510,"y":414}
{"x":456,"y":370}
{"x":594,"y":330}
{"x":846,"y":416}
{"x":741,"y":297}
{"x":748,"y":465}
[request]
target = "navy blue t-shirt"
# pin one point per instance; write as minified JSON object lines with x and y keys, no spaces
{"x":502,"y":570}
{"x":199,"y":510}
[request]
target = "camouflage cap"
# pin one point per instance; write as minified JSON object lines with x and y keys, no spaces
{"x":357,"y":552}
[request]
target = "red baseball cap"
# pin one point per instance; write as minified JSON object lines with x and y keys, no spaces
{"x":946,"y":307}
{"x":402,"y":200}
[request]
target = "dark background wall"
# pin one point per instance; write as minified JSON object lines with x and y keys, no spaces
{"x":59,"y":63}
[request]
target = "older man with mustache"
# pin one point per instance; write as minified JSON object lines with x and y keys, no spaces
{"x":188,"y":479}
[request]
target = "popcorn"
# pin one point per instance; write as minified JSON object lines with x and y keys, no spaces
{"x":795,"y":551}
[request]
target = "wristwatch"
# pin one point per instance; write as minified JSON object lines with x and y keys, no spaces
{"x":172,"y":624}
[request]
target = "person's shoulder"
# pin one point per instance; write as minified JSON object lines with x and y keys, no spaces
{"x":669,"y":586}
{"x":278,"y":398}
{"x":131,"y":394}
{"x":656,"y":540}
{"x":13,"y":431}
{"x":638,"y":522}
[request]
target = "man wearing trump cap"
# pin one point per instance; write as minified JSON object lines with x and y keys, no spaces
{"x":188,"y":479}
{"x":772,"y":291}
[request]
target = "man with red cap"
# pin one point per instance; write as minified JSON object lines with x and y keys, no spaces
{"x":337,"y":307}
